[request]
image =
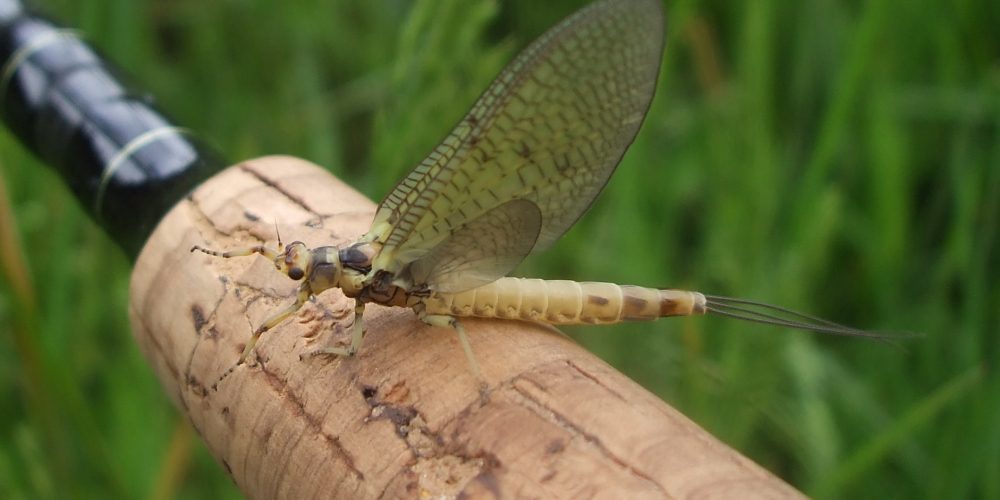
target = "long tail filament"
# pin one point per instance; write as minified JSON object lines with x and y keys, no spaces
{"x":760,"y":312}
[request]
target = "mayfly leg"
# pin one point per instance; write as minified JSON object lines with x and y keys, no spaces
{"x":357,"y":337}
{"x":239,"y":252}
{"x":453,"y":323}
{"x":270,"y":253}
{"x":300,"y":299}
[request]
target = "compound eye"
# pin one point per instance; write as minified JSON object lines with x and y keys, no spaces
{"x":296,"y":273}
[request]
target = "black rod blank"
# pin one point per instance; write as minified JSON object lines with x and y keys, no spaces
{"x":121,"y":156}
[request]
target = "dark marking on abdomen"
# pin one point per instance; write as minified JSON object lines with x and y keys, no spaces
{"x":633,"y":308}
{"x":597,"y":300}
{"x":668,"y":307}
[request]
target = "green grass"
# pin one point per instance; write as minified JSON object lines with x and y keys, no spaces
{"x":836,"y":157}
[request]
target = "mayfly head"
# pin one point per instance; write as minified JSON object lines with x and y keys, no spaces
{"x":294,"y":261}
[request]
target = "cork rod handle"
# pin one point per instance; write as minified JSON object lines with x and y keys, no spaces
{"x":404,"y":418}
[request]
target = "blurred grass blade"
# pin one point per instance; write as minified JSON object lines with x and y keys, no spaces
{"x":868,"y":458}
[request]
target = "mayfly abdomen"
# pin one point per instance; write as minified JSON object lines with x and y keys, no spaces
{"x":561,"y":302}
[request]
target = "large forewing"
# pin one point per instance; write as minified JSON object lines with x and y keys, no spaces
{"x":484,"y":249}
{"x":550,"y":129}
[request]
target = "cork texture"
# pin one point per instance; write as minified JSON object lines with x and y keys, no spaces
{"x":405,"y":417}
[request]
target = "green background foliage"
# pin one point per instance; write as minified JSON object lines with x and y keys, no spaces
{"x":841,"y":158}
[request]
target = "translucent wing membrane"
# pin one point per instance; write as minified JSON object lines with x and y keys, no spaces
{"x":483,"y":250}
{"x":550,"y":130}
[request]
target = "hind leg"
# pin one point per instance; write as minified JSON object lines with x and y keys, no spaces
{"x":453,"y":323}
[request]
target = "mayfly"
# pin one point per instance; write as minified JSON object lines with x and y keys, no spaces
{"x":515,"y":173}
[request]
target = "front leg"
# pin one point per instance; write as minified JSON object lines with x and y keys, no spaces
{"x":271,"y":254}
{"x":300,"y":298}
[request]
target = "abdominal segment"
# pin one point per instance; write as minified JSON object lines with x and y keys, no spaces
{"x":565,"y":302}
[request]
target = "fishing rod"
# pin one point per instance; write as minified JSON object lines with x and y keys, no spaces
{"x":381,"y":423}
{"x":122,"y":157}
